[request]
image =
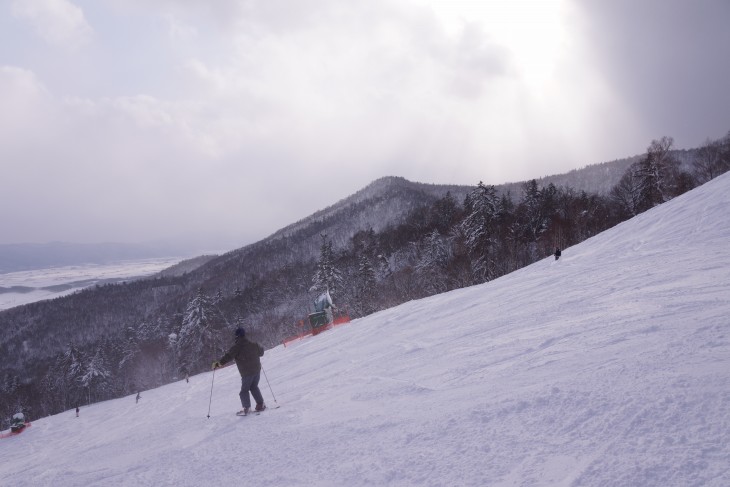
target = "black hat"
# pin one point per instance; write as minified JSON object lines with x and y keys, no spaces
{"x":240,"y":332}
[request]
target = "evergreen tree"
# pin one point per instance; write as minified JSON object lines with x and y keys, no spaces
{"x":434,"y":259}
{"x":238,"y":294}
{"x":151,"y":335}
{"x":444,"y":213}
{"x":506,"y":237}
{"x":8,"y":389}
{"x":479,"y":231}
{"x":327,"y":276}
{"x":200,"y":336}
{"x":172,"y":351}
{"x":65,"y":377}
{"x":129,"y":349}
{"x":365,"y":285}
{"x":533,"y":221}
{"x":95,"y":376}
{"x":383,"y":267}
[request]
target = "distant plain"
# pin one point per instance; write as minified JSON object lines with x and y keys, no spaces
{"x":24,"y":287}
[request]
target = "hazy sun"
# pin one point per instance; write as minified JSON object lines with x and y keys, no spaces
{"x":533,"y":31}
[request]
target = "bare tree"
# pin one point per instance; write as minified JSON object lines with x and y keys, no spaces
{"x":626,"y":194}
{"x":713,"y":159}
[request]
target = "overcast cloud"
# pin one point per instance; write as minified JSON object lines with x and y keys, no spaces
{"x":224,"y":121}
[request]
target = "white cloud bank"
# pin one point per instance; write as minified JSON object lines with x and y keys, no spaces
{"x":229,"y":120}
{"x":58,"y":22}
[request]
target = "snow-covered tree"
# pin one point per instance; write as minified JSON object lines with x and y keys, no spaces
{"x":238,"y":294}
{"x":200,"y":338}
{"x":327,"y":276}
{"x":383,"y":269}
{"x":62,"y":381}
{"x":656,"y":174}
{"x":143,"y":332}
{"x":75,"y":363}
{"x":532,"y":221}
{"x":365,"y":283}
{"x":95,"y":376}
{"x":433,"y":261}
{"x":171,"y":351}
{"x":478,"y":228}
{"x":8,"y":387}
{"x":712,"y":159}
{"x":444,"y":212}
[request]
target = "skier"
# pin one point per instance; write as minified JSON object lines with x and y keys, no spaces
{"x":557,"y":253}
{"x":247,"y":356}
{"x":137,"y":398}
{"x":77,"y":411}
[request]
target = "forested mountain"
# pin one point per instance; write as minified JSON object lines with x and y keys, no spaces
{"x":185,"y":266}
{"x":391,"y":242}
{"x":608,"y":367}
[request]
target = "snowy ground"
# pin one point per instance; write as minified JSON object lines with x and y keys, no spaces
{"x":609,"y":367}
{"x":23,"y":287}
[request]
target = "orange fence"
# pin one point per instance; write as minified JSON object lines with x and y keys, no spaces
{"x":337,"y":321}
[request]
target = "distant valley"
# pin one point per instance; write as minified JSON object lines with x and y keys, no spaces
{"x":28,"y":286}
{"x":24,"y":287}
{"x":35,"y":256}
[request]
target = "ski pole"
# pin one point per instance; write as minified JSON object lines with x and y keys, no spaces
{"x":272,"y":391}
{"x":211,"y":393}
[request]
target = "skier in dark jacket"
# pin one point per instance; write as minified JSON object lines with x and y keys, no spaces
{"x":247,"y":356}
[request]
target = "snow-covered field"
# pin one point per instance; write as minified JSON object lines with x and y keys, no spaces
{"x":25,"y":287}
{"x":609,"y":367}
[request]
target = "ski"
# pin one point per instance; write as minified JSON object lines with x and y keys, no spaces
{"x":267,"y":408}
{"x":250,"y":413}
{"x":254,"y":412}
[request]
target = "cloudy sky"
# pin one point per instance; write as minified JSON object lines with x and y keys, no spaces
{"x":138,"y":120}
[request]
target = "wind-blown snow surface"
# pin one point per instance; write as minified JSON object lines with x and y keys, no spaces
{"x":609,"y":367}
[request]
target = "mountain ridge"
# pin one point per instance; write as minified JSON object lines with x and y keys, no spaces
{"x":608,"y":366}
{"x":268,"y":287}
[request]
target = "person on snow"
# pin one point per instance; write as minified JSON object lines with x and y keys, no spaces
{"x":557,"y":253}
{"x":247,"y":356}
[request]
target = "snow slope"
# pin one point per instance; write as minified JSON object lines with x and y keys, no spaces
{"x":609,"y":367}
